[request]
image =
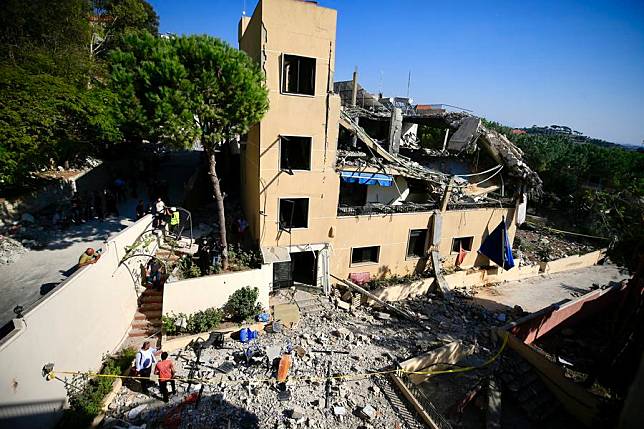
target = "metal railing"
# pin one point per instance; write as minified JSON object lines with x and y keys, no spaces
{"x":384,"y":209}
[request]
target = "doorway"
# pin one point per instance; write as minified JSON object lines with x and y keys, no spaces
{"x":305,"y":267}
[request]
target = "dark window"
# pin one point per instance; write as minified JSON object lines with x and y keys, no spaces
{"x":294,"y":213}
{"x":465,"y":242}
{"x":295,"y":153}
{"x":298,"y":75}
{"x":365,"y":254}
{"x":353,"y":194}
{"x":416,"y":246}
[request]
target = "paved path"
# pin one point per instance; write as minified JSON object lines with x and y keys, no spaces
{"x":37,"y":272}
{"x":538,"y":292}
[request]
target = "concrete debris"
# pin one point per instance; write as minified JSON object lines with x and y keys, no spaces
{"x":534,"y":244}
{"x":134,"y":412}
{"x":335,"y":343}
{"x":10,"y":250}
{"x":339,"y":411}
{"x":368,"y":412}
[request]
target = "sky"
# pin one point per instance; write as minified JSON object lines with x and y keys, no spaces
{"x":574,"y":63}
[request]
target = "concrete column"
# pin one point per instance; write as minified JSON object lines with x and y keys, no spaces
{"x":395,"y":130}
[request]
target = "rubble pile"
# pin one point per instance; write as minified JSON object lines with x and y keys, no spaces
{"x":10,"y":250}
{"x":541,"y":245}
{"x":328,"y":385}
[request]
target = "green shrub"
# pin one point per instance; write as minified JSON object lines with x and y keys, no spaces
{"x":201,"y":321}
{"x":243,"y":259}
{"x":188,"y":268}
{"x":242,"y":304}
{"x":85,"y":401}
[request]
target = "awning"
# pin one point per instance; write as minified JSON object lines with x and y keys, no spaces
{"x":366,"y":178}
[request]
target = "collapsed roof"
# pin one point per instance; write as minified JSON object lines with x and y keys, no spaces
{"x":467,"y":134}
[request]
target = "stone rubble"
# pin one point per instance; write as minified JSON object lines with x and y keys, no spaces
{"x":332,"y":341}
{"x":10,"y":250}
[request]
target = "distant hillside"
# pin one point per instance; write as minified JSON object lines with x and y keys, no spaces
{"x":596,"y":185}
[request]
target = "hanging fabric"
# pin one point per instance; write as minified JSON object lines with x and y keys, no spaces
{"x":462,"y":253}
{"x":496,"y":246}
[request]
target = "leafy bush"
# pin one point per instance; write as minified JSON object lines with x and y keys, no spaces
{"x":242,"y":304}
{"x":242,"y":259}
{"x":86,"y":401}
{"x":206,"y":320}
{"x":188,"y":268}
{"x":201,"y":321}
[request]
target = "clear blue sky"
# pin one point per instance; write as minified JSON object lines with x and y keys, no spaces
{"x":575,"y":63}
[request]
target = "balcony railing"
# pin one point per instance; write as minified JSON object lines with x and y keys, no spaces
{"x":377,"y":209}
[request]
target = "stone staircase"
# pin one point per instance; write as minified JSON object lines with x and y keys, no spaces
{"x":147,"y":320}
{"x":167,"y":256}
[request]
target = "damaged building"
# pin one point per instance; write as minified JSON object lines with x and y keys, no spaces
{"x":337,"y":181}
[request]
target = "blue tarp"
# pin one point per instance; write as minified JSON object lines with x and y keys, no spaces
{"x":366,"y":178}
{"x":497,"y":247}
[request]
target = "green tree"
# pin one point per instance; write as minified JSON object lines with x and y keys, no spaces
{"x":185,"y":89}
{"x":112,"y":20}
{"x":44,"y":119}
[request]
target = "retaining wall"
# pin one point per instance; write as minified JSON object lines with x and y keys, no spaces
{"x":191,"y":295}
{"x":81,"y":320}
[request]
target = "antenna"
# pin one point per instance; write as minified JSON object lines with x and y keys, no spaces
{"x":408,"y":83}
{"x":244,"y":8}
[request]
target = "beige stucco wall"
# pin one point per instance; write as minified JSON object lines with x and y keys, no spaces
{"x":473,"y":222}
{"x":305,"y":29}
{"x":390,"y":232}
{"x":573,"y":262}
{"x":73,"y":327}
{"x":192,"y":295}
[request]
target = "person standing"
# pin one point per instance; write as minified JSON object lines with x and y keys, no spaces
{"x":166,"y":373}
{"x":175,"y":219}
{"x":159,"y":213}
{"x":144,"y":360}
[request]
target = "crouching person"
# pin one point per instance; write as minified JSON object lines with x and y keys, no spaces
{"x":165,"y":370}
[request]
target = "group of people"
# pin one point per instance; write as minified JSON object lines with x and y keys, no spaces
{"x":163,"y":215}
{"x":86,"y":206}
{"x":155,"y":274}
{"x":147,"y":361}
{"x":208,"y":253}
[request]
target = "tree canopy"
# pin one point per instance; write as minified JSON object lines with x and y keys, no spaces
{"x":54,"y":104}
{"x":181,"y":90}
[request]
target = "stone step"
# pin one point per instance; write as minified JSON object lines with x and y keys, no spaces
{"x":146,"y":324}
{"x":150,"y":315}
{"x":152,"y":292}
{"x":136,"y":332}
{"x":151,"y":299}
{"x":146,"y":308}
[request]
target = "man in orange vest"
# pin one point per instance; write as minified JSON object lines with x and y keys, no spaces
{"x":165,"y":370}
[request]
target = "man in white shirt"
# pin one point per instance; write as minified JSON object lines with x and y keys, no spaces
{"x":144,"y":360}
{"x":159,"y":213}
